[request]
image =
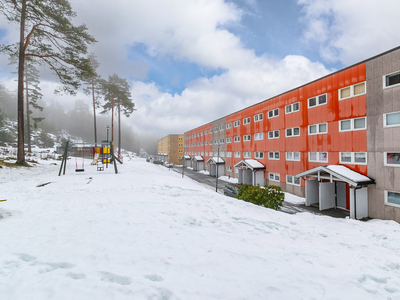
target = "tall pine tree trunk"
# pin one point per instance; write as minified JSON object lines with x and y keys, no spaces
{"x":21,"y":153}
{"x":119,"y":127}
{"x":28,"y":123}
{"x":94,"y":113}
{"x":112,"y":117}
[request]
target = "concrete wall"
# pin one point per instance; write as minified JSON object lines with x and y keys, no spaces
{"x":380,"y":139}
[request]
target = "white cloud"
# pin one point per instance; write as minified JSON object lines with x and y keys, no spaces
{"x":350,"y":31}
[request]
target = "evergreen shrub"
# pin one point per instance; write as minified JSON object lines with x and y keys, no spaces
{"x":269,"y":196}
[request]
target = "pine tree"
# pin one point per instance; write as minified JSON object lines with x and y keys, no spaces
{"x":94,"y":87}
{"x":48,"y":37}
{"x":117,"y":93}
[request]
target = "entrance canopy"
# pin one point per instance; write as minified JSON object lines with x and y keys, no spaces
{"x":251,"y":164}
{"x":215,"y":160}
{"x":198,"y":158}
{"x":186,"y":157}
{"x":338,"y":173}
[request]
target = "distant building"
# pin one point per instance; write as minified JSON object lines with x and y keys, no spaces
{"x":170,"y":148}
{"x":335,"y":140}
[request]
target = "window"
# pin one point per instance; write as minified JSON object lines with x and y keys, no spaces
{"x":290,"y":132}
{"x":246,"y":154}
{"x":228,"y":140}
{"x":206,"y":143}
{"x":246,"y":137}
{"x":295,"y":156}
{"x":318,"y":156}
{"x":202,"y":153}
{"x":274,"y":176}
{"x":246,"y":121}
{"x":359,"y":158}
{"x":205,"y":132}
{"x":210,"y":131}
{"x":229,"y":168}
{"x":258,"y":136}
{"x":221,"y":141}
{"x":229,"y":125}
{"x":201,"y":144}
{"x":236,"y":170}
{"x":392,"y":198}
{"x":237,"y":154}
{"x":210,"y":143}
{"x":228,"y":154}
{"x":317,"y":101}
{"x":318,"y":128}
{"x":351,"y":91}
{"x":392,"y":159}
{"x":236,"y":123}
{"x":222,"y":154}
{"x":352,"y":124}
{"x":216,"y":153}
{"x":206,"y":153}
{"x":273,"y":113}
{"x":273,"y":155}
{"x":236,"y":139}
{"x":391,"y":80}
{"x":273,"y":134}
{"x":215,"y":129}
{"x":215,"y":142}
{"x":291,"y":108}
{"x":391,"y":119}
{"x":259,"y":155}
{"x":258,"y":117}
{"x":292,"y":180}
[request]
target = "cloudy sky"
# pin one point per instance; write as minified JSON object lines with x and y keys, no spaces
{"x":192,"y":61}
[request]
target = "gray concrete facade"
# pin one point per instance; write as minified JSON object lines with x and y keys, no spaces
{"x":380,"y":101}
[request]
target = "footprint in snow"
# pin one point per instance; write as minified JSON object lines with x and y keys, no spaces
{"x":112,"y":278}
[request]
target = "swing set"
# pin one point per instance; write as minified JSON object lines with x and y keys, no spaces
{"x":103,"y":153}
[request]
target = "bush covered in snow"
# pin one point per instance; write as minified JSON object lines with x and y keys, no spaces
{"x":269,"y":196}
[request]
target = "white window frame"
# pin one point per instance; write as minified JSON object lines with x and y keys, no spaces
{"x":246,"y":137}
{"x":246,"y":154}
{"x":259,"y":136}
{"x":236,"y":139}
{"x":259,"y":155}
{"x":292,"y":130}
{"x":292,"y":159}
{"x":236,"y":154}
{"x":229,"y":125}
{"x":352,"y":91}
{"x":384,"y":119}
{"x":353,"y":159}
{"x":292,"y":181}
{"x":236,"y":123}
{"x":228,"y":168}
{"x":317,"y":101}
{"x":291,"y":108}
{"x":385,"y":163}
{"x":273,"y":133}
{"x":317,"y":127}
{"x":206,"y":153}
{"x":228,"y":154}
{"x":228,"y":140}
{"x":246,"y":121}
{"x":384,"y":80}
{"x":318,"y":155}
{"x":221,"y":141}
{"x":259,"y":117}
{"x":274,"y":154}
{"x":275,"y":113}
{"x":275,"y":175}
{"x":387,"y":196}
{"x":352,"y":125}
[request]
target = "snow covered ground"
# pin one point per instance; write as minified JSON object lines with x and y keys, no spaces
{"x":147,"y":233}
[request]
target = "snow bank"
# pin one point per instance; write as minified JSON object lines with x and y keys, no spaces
{"x":147,"y":233}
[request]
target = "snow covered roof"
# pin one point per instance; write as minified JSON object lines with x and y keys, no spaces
{"x":338,"y":173}
{"x":250,"y":163}
{"x":199,"y":158}
{"x":186,"y":157}
{"x":215,"y":160}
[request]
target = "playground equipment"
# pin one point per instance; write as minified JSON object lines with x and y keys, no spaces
{"x":103,"y":153}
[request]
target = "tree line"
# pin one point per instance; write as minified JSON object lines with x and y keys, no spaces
{"x":49,"y":38}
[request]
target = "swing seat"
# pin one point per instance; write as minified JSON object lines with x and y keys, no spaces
{"x":79,"y":170}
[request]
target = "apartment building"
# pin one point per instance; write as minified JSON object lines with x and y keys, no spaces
{"x":170,"y":148}
{"x":335,"y":140}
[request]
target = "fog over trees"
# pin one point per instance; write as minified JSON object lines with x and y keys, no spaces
{"x":78,"y":122}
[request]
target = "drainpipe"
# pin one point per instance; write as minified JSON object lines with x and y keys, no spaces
{"x":355,"y":200}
